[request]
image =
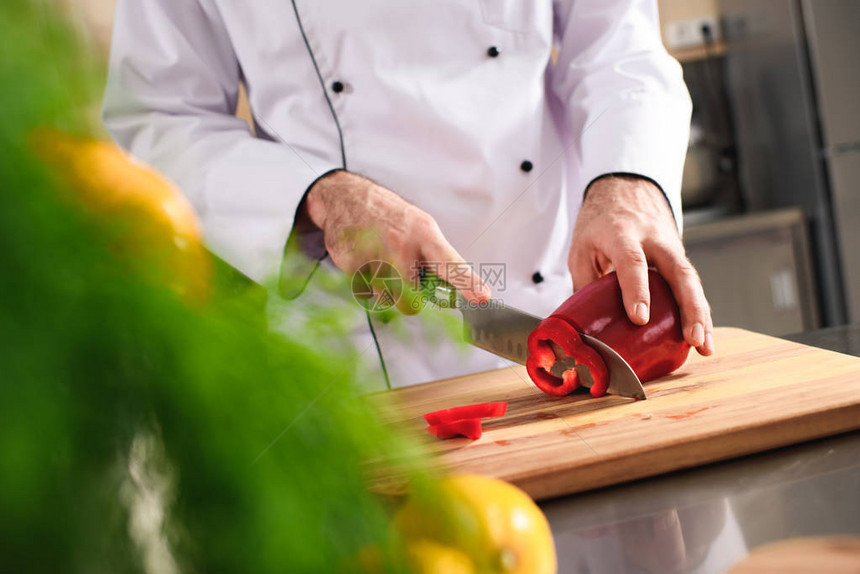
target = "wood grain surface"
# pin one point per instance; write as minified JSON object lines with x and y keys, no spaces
{"x":756,"y":393}
{"x":829,"y":554}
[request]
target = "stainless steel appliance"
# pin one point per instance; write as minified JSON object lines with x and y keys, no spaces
{"x":756,"y":270}
{"x":793,"y":76}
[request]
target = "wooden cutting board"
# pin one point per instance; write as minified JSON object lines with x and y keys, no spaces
{"x":756,"y":393}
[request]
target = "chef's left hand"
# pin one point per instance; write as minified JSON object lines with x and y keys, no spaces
{"x":626,"y":225}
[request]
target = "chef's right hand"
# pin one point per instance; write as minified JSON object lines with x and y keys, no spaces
{"x":363,"y":221}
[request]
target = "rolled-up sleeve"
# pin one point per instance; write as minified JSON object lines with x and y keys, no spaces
{"x":625,"y":99}
{"x":171,"y":96}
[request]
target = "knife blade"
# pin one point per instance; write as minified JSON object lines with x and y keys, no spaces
{"x":622,"y":379}
{"x":504,"y":331}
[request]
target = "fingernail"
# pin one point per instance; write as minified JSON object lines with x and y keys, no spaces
{"x":486,"y":292}
{"x":640,"y":311}
{"x":697,"y":334}
{"x":709,"y":343}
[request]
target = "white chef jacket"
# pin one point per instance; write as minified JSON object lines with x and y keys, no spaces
{"x":446,"y":102}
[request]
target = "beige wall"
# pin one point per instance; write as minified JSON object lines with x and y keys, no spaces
{"x":679,"y":10}
{"x":94,"y":17}
{"x":673,"y":10}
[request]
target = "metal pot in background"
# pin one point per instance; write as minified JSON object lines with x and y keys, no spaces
{"x":701,"y":170}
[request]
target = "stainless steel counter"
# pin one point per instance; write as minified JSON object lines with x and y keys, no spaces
{"x":705,"y":519}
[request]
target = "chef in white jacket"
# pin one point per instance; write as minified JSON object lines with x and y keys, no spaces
{"x":443,"y":126}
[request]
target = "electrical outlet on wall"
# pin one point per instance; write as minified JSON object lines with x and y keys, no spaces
{"x":690,"y":33}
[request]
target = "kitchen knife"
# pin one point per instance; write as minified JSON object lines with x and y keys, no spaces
{"x":504,"y":331}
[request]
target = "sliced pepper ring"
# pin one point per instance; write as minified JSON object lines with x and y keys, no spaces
{"x":542,"y":358}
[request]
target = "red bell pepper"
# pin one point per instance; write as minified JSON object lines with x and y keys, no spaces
{"x":469,"y":428}
{"x":463,"y":421}
{"x":651,"y":350}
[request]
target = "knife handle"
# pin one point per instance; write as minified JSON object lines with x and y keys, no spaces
{"x":444,"y":295}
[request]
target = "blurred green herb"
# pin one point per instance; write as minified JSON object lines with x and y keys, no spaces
{"x":138,"y":434}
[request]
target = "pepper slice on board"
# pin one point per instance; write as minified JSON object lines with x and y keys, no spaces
{"x":464,"y":420}
{"x":469,"y":428}
{"x":478,"y":411}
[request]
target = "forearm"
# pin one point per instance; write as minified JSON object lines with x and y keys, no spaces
{"x":625,"y":98}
